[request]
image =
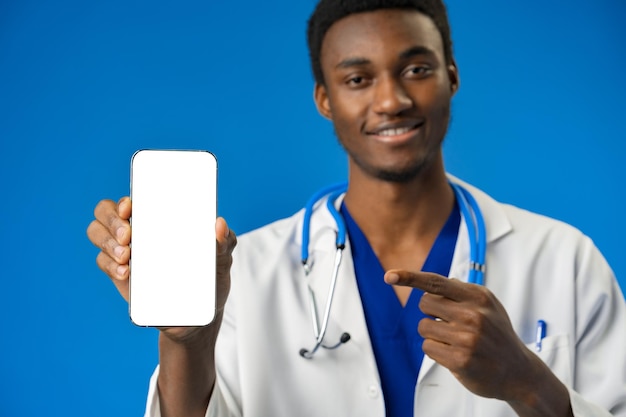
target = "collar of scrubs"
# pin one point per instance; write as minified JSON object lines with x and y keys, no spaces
{"x":396,"y":343}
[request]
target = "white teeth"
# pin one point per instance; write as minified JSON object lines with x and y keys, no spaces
{"x":393,"y":132}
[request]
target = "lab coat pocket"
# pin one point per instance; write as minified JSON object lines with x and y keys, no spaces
{"x":556,"y":353}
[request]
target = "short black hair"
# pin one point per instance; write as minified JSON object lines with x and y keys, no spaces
{"x":328,"y":12}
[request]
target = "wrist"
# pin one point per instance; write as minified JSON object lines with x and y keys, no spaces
{"x":191,"y":337}
{"x":187,"y":368}
{"x":541,"y":393}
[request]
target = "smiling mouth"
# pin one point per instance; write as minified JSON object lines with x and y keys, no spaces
{"x":396,"y":133}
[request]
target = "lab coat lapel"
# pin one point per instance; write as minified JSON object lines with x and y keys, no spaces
{"x":459,"y":269}
{"x":497,"y":225}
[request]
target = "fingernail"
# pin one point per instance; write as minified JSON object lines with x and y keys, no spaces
{"x":119,"y":251}
{"x":227,"y":233}
{"x":120,"y":232}
{"x":392,"y":278}
{"x":121,"y":270}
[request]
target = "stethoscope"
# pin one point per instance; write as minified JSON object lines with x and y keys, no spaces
{"x":475,"y":229}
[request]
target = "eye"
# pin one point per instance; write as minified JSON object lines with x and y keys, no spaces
{"x":356,"y":81}
{"x":418,"y":71}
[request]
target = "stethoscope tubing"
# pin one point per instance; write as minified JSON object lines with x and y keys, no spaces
{"x":308,"y":212}
{"x":476,"y":232}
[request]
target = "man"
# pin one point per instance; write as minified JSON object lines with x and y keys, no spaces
{"x":385,"y":76}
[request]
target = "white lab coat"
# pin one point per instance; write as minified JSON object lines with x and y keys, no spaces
{"x":538,"y":268}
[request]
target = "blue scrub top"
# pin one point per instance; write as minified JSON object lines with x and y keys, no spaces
{"x":396,"y":343}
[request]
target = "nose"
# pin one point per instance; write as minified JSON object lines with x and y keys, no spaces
{"x":390,"y":97}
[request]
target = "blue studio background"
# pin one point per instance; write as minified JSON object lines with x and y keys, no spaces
{"x":538,"y":122}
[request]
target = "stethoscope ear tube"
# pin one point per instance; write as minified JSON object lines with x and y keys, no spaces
{"x":308,"y":212}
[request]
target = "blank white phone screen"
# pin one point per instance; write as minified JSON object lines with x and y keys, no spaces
{"x":172,"y":266}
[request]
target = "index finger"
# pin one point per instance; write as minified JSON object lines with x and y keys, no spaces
{"x":107,"y":213}
{"x":428,"y":282}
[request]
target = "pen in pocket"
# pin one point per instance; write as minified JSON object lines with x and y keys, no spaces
{"x":541,"y":333}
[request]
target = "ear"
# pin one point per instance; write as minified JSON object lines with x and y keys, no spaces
{"x":320,"y":95}
{"x":453,"y":76}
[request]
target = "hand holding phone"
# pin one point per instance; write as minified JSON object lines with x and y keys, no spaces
{"x":173,"y":260}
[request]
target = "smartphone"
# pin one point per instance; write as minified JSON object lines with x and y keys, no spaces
{"x":172,"y":263}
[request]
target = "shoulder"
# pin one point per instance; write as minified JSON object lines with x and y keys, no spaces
{"x":270,"y":240}
{"x":528,"y":223}
{"x":508,"y":222}
{"x":537,"y":244}
{"x":277,"y":230}
{"x":527,"y":239}
{"x":553,"y":242}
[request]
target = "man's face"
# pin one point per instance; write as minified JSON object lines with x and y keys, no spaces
{"x":387,"y":90}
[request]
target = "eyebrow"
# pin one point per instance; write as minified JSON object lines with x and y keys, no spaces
{"x":409,"y":53}
{"x":415,"y":51}
{"x":353,"y":62}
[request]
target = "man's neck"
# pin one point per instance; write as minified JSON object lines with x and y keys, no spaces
{"x":397,"y":217}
